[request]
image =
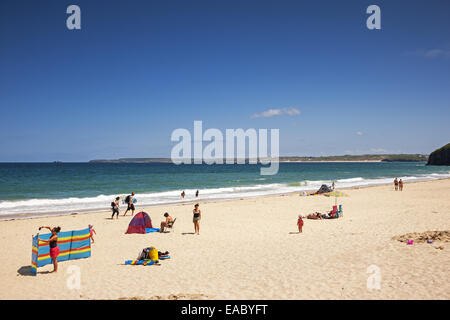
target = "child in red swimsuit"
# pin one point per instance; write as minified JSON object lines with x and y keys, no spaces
{"x":300,"y":223}
{"x":92,"y":232}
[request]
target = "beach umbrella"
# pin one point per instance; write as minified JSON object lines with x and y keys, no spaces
{"x":335,"y":194}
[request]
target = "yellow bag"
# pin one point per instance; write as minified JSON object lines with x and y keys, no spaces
{"x":153,"y":254}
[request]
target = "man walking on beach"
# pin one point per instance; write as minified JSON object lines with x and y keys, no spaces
{"x":129,"y":200}
{"x":396,"y":184}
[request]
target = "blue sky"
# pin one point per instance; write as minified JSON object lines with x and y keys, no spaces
{"x":137,"y":70}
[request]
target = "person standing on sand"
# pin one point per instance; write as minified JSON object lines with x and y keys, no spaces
{"x":92,"y":232}
{"x":300,"y":223}
{"x":53,"y":243}
{"x":115,"y":208}
{"x":129,"y":200}
{"x":396,"y":184}
{"x":400,"y":185}
{"x":197,"y":216}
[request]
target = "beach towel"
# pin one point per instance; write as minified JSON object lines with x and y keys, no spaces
{"x":140,"y":262}
{"x":149,"y":230}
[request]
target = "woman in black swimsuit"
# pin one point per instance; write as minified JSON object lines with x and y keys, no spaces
{"x":53,"y":243}
{"x":196,"y":219}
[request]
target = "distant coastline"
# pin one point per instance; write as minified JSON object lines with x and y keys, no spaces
{"x":344,"y":158}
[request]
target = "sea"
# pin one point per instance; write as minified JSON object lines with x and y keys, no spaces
{"x":43,"y":189}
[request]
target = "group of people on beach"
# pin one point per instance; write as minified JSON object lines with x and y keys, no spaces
{"x":129,"y":201}
{"x":183,"y":194}
{"x":168,"y":222}
{"x":313,"y":216}
{"x":53,"y":240}
{"x":320,"y":216}
{"x":398,"y":184}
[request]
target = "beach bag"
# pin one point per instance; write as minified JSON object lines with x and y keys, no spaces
{"x":113,"y":204}
{"x":153,"y":254}
{"x":143,"y":255}
{"x":148,"y":254}
{"x":127,"y":200}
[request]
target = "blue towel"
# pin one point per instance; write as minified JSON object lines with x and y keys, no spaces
{"x":148,"y":230}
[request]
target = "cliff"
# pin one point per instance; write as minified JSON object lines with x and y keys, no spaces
{"x":440,"y":157}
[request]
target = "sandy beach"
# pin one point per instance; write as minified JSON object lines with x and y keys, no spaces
{"x":250,"y":249}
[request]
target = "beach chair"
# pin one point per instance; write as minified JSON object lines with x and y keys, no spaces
{"x":170,"y":225}
{"x":340,"y":212}
{"x":334,"y":211}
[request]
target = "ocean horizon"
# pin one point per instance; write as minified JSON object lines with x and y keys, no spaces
{"x":41,"y":189}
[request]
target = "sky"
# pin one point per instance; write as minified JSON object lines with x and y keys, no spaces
{"x":137,"y":70}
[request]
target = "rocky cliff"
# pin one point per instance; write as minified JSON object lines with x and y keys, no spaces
{"x":440,"y":157}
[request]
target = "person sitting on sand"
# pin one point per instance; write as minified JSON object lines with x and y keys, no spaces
{"x":115,"y":208}
{"x":167,"y":223}
{"x":53,"y":243}
{"x":300,"y":223}
{"x":92,"y":232}
{"x":400,"y":185}
{"x":396,"y":184}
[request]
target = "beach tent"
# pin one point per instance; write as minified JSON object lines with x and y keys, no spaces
{"x":139,"y":223}
{"x":323,"y":189}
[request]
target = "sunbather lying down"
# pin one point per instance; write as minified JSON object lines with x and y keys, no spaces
{"x":314,"y":216}
{"x":319,"y":216}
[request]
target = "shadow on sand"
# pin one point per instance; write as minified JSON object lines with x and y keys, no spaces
{"x":26,"y":271}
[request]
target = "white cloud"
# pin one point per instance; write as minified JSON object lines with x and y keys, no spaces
{"x":359,"y":133}
{"x":277,"y":112}
{"x":291,"y":111}
{"x":432,"y":53}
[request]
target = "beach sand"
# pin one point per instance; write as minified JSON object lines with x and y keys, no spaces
{"x":250,"y":249}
